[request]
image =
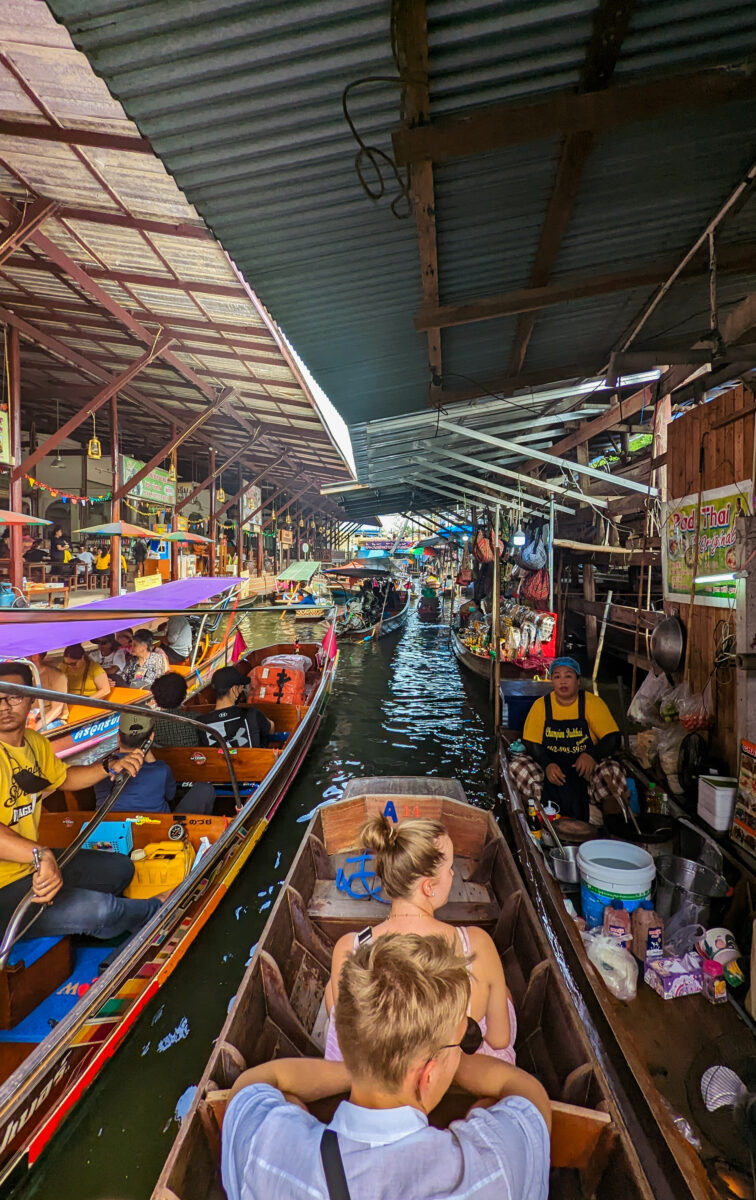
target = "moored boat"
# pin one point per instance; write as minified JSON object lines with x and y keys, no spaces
{"x":279,"y":1009}
{"x":212,"y":634}
{"x":656,"y":1050}
{"x":53,"y":1052}
{"x":391,"y":621}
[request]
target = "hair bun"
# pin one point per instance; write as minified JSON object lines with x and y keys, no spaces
{"x":378,"y":835}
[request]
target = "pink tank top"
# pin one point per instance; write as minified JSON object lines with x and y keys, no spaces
{"x":507,"y":1054}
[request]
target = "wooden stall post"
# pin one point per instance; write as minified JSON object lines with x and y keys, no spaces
{"x":16,"y":572}
{"x":212,"y":524}
{"x":115,"y":507}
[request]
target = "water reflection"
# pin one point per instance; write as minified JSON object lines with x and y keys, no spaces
{"x":400,"y":706}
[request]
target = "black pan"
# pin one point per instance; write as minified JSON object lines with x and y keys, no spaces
{"x":654,"y":828}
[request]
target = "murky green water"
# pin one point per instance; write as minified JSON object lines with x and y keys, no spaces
{"x":400,"y":706}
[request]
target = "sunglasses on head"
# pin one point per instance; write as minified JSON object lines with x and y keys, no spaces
{"x":472,"y":1039}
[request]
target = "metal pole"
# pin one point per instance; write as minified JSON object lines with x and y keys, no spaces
{"x":551,"y":555}
{"x":174,"y":515}
{"x":496,"y":627}
{"x":115,"y":506}
{"x":16,"y":485}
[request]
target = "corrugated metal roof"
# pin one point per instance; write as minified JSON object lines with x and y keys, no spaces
{"x":243,"y":103}
{"x":173,"y":275}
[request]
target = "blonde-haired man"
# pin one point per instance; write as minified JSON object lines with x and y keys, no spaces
{"x":403,"y":1030}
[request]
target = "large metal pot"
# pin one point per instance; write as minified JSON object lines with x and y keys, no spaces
{"x":668,"y":644}
{"x":680,"y":879}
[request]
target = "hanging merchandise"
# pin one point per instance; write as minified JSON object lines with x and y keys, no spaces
{"x":533,"y":555}
{"x":172,"y":473}
{"x":66,"y":497}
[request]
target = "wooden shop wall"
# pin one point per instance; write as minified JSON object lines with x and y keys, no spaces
{"x":727,"y":459}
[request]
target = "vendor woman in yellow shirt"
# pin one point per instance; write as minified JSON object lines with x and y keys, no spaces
{"x":567,"y":734}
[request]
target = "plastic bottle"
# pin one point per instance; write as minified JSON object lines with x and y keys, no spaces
{"x":652,"y":799}
{"x":648,"y":932}
{"x":617,"y":921}
{"x":714,"y":985}
{"x":534,"y":825}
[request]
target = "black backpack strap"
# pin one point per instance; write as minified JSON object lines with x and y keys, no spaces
{"x":333,"y":1166}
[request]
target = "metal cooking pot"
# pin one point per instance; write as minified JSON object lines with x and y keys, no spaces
{"x":668,"y":644}
{"x":564,"y":863}
{"x":679,"y":879}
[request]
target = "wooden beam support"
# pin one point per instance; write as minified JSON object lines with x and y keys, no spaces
{"x":16,"y":568}
{"x":170,"y":447}
{"x":412,"y":45}
{"x":307,"y":487}
{"x":96,"y":216}
{"x":493,"y":127}
{"x":24,"y":225}
{"x":610,"y":24}
{"x":115,"y":384}
{"x":221,"y":512}
{"x":614,"y":415}
{"x":95,"y":138}
{"x":738,"y":258}
{"x":214,"y":473}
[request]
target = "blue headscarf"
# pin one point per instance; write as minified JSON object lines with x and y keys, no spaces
{"x":565,"y":661}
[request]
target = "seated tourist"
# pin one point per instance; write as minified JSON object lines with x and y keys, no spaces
{"x":154,"y":789}
{"x":177,"y":643}
{"x":402,"y":1021}
{"x":241,"y":726}
{"x":570,"y":736}
{"x":36,"y":552}
{"x":55,"y":711}
{"x":85,"y":896}
{"x":169,"y":693}
{"x":102,"y":564}
{"x":110,"y":656}
{"x":414,"y":862}
{"x":146,"y":664}
{"x":85,"y":676}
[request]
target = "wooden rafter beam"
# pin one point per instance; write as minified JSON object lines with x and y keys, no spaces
{"x":412,"y":45}
{"x":496,"y":126}
{"x":736,"y":258}
{"x":610,"y":24}
{"x":96,"y":216}
{"x":90,"y":407}
{"x":23,"y":226}
{"x":36,"y":131}
{"x":139,"y":279}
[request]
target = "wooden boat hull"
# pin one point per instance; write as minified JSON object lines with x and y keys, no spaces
{"x":482,"y":666}
{"x":311,"y":612}
{"x":38,"y":1096}
{"x":278,"y":1008}
{"x":626,"y":1030}
{"x":389,"y":624}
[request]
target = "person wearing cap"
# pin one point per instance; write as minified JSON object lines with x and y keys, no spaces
{"x":145,"y":664}
{"x":570,"y":736}
{"x":154,"y":789}
{"x":85,"y":895}
{"x":111,"y":657}
{"x":239,"y":724}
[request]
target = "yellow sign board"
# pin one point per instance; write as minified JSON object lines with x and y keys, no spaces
{"x":143,"y":582}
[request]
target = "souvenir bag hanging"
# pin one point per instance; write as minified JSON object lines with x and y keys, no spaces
{"x":535,"y":586}
{"x":533,"y":555}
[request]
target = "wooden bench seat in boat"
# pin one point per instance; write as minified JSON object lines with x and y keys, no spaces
{"x":193,"y":764}
{"x":285,"y":717}
{"x":35,"y":967}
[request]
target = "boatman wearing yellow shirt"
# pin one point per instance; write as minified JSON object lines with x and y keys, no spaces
{"x":567,"y":734}
{"x":85,"y":896}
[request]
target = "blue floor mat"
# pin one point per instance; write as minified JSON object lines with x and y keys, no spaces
{"x":46,"y":1015}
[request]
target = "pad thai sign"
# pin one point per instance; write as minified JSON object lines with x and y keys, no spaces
{"x":718,"y":552}
{"x":155,"y":487}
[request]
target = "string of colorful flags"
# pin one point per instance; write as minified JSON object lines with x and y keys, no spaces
{"x":66,"y":497}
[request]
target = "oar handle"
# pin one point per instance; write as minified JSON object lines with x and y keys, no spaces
{"x":14,"y":931}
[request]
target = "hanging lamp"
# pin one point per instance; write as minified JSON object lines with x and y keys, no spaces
{"x":288,"y":518}
{"x":94,"y":449}
{"x":172,"y":473}
{"x":220,"y":496}
{"x":301,"y":522}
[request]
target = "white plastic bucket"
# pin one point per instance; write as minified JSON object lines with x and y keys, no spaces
{"x":612,"y":870}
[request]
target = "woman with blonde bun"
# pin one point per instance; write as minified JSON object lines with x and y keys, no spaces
{"x":414,"y":862}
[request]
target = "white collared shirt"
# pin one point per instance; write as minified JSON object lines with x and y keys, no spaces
{"x":271,"y":1151}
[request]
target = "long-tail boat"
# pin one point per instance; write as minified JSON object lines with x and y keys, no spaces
{"x":212,"y":640}
{"x":279,"y":1009}
{"x":66,"y":1007}
{"x":656,"y":1050}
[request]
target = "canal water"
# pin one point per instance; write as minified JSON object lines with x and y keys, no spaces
{"x":400,"y":706}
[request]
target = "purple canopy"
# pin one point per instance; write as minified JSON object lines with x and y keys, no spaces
{"x":19,"y":641}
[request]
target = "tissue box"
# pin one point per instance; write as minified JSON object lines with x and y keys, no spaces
{"x":672,"y":977}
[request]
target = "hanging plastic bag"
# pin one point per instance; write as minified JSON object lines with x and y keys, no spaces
{"x":535,"y":586}
{"x":694,"y":708}
{"x":614,"y":963}
{"x":645,"y":706}
{"x":533,"y":556}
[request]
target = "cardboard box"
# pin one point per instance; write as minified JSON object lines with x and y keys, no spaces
{"x":673,"y":977}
